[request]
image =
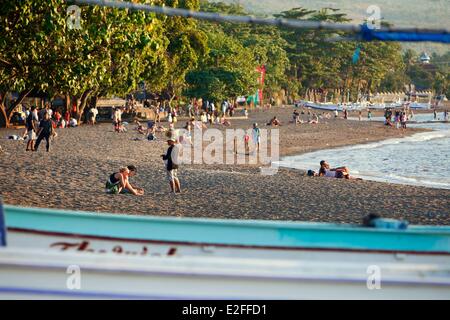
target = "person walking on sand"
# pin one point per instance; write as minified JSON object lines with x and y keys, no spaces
{"x":45,"y":132}
{"x":93,"y":112}
{"x":369,"y":115}
{"x":256,"y":133}
{"x":171,"y":161}
{"x":118,"y":182}
{"x":31,"y":129}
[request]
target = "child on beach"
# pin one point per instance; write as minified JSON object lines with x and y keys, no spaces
{"x":256,"y":136}
{"x":118,"y":182}
{"x":403,"y":120}
{"x":246,"y":140}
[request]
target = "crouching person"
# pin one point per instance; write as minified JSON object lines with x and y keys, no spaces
{"x":119,"y":182}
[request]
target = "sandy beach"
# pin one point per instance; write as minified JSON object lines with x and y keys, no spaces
{"x":72,"y":176}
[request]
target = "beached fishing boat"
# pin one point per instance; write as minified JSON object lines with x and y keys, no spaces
{"x":37,"y":274}
{"x":323,"y":106}
{"x":153,"y":257}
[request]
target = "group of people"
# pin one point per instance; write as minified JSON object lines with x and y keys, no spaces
{"x":38,"y":129}
{"x":41,"y":125}
{"x":400,"y":119}
{"x":312,"y":117}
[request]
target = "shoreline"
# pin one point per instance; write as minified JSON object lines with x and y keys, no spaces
{"x":72,"y":176}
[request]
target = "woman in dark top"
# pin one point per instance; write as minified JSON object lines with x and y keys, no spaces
{"x":45,"y":131}
{"x":118,"y":182}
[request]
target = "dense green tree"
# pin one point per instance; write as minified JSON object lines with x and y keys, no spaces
{"x":227,"y":71}
{"x":115,"y":50}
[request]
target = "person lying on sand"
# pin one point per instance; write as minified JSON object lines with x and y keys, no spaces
{"x":296,"y":117}
{"x":139,"y":127}
{"x":225,"y":122}
{"x":326,"y":171}
{"x":274,"y":122}
{"x":314,"y":120}
{"x":160,"y":128}
{"x":119,"y":182}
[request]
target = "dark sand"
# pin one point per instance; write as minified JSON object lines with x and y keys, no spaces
{"x":73,"y":173}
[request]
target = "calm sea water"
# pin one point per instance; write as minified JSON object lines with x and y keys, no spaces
{"x":422,"y":159}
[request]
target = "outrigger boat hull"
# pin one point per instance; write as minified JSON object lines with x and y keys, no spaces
{"x":123,"y":256}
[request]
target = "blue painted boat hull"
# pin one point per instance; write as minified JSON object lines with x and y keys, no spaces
{"x":251,"y":233}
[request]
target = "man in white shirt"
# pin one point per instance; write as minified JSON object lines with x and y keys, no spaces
{"x":93,"y":113}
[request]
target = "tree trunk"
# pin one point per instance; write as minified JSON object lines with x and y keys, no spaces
{"x":22,"y":95}
{"x":82,"y":104}
{"x":4,"y":121}
{"x":67,"y":102}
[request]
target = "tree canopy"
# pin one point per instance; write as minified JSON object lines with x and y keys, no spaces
{"x":115,"y":50}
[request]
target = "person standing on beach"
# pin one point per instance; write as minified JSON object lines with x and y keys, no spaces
{"x":67,"y":117}
{"x":256,"y":136}
{"x":403,"y":120}
{"x":93,"y":112}
{"x":369,"y":115}
{"x":115,"y":118}
{"x":397,"y":119}
{"x":360,"y":115}
{"x":45,"y":132}
{"x":171,"y":162}
{"x":31,"y":129}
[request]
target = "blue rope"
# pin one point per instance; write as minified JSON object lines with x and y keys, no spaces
{"x":409,"y":36}
{"x":384,"y":34}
